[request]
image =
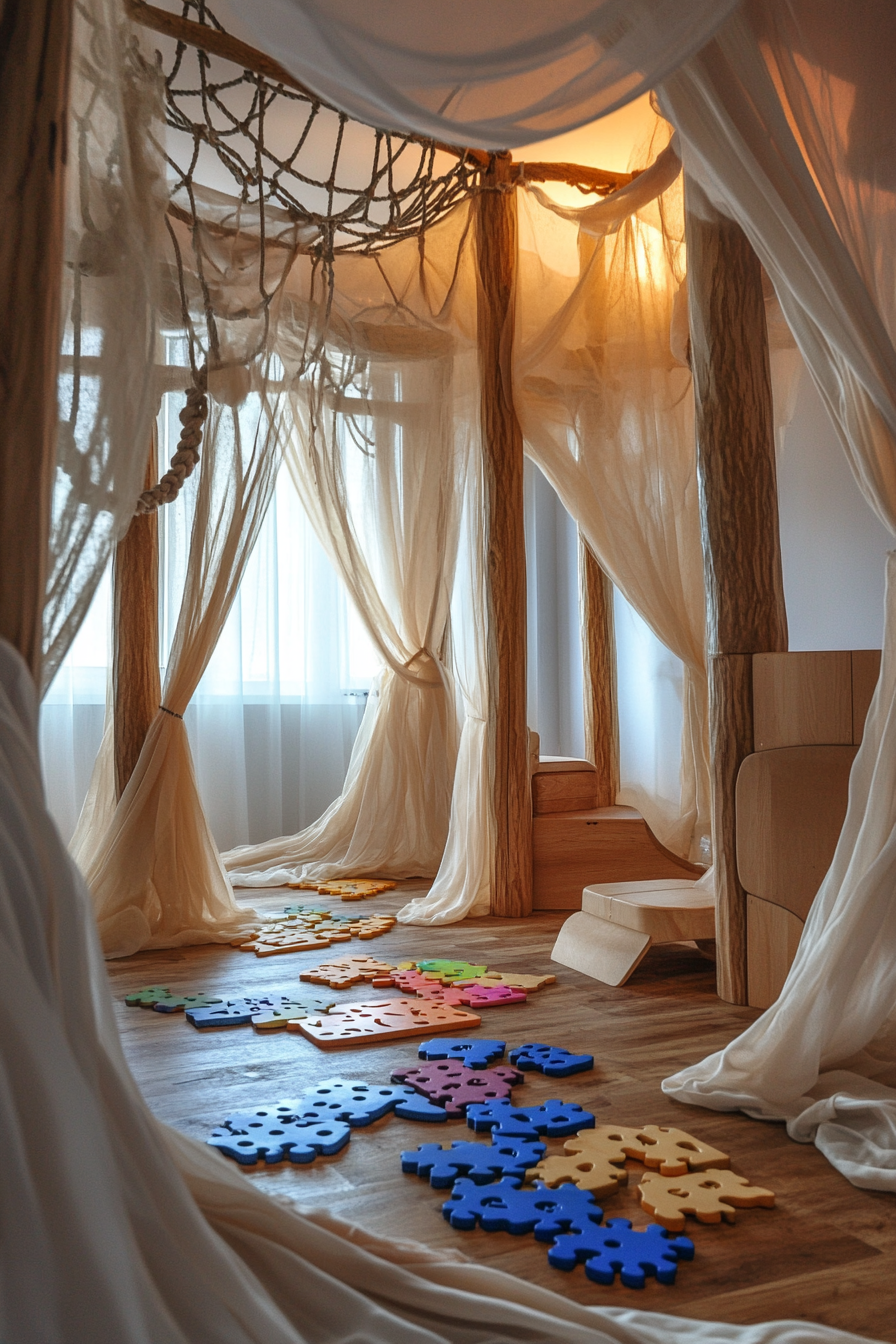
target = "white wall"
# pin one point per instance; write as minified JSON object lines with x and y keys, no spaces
{"x":833,"y":547}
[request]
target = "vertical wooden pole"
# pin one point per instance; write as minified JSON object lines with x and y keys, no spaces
{"x":35,"y":53}
{"x":136,"y":681}
{"x":502,"y":445}
{"x":599,"y":650}
{"x":745,"y":611}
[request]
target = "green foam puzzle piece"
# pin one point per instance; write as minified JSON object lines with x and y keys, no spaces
{"x":448,"y":971}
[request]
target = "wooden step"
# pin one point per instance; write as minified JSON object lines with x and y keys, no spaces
{"x":573,"y":850}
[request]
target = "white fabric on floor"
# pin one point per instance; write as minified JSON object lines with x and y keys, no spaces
{"x":116,"y":1227}
{"x":498,"y":75}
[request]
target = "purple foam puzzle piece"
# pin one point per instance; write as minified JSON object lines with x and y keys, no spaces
{"x":504,"y":1207}
{"x":552,"y":1060}
{"x":451,"y":1084}
{"x":476,"y":1054}
{"x":480,"y":1162}
{"x":617,"y":1248}
{"x":553,"y":1118}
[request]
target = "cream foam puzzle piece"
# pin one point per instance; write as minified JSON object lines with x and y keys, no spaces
{"x":512,"y":980}
{"x":709,"y":1196}
{"x":387,"y":1020}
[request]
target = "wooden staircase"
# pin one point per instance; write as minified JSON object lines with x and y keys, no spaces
{"x":576,"y":844}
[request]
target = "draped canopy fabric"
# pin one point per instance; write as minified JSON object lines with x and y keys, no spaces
{"x":787,"y":124}
{"x":385,"y":427}
{"x":607,"y":413}
{"x":500,"y":75}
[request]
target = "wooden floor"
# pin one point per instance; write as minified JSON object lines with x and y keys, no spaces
{"x":825,"y":1253}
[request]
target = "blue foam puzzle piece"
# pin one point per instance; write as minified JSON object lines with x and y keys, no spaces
{"x":616,"y":1248}
{"x":474,"y":1053}
{"x":551,"y":1060}
{"x":504,"y":1207}
{"x":479,"y":1162}
{"x":237,"y":1012}
{"x":270,"y":1136}
{"x":553,"y":1118}
{"x":360,"y":1103}
{"x":418,"y":1108}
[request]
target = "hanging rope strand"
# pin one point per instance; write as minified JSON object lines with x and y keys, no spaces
{"x":186,"y":458}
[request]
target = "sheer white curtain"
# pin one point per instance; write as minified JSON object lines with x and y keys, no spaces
{"x":787,"y":121}
{"x":274,"y":718}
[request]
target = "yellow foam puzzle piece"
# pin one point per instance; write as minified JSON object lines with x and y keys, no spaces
{"x":709,"y":1196}
{"x":588,"y":1170}
{"x":674,"y":1151}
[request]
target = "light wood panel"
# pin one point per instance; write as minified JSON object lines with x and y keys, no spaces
{"x":773,"y":935}
{"x":35,"y":50}
{"x":502,"y":445}
{"x":610,"y":844}
{"x":865,"y":673}
{"x":801,"y":698}
{"x":669,"y":911}
{"x":137,"y":687}
{"x":772,"y":1264}
{"x":790,"y":808}
{"x":564,"y":791}
{"x":745,"y":610}
{"x":599,"y":652}
{"x":731,"y":741}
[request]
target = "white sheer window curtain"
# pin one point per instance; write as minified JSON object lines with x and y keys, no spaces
{"x":274,"y":718}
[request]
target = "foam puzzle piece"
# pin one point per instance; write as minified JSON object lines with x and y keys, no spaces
{"x":409,"y":981}
{"x":504,"y":1207}
{"x":451,"y":1084}
{"x":709,"y":1196}
{"x":449,"y":971}
{"x":355,"y":890}
{"x":551,"y":1060}
{"x":674,"y":1151}
{"x":472,"y":995}
{"x":592,"y":1172}
{"x":514,"y":981}
{"x":275,"y":944}
{"x":480,"y":1162}
{"x":342,"y":972}
{"x":162,"y":1000}
{"x":476,"y":1054}
{"x":359,"y":1103}
{"x":616,"y":1248}
{"x":275,"y":1019}
{"x":265,"y":1135}
{"x":553,"y":1118}
{"x":388,"y":1019}
{"x":238,"y":1012}
{"x":308,"y":910}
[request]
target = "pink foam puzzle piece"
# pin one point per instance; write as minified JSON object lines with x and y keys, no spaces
{"x":471,"y":995}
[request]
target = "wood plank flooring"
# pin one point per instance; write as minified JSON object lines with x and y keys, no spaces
{"x":825,"y":1253}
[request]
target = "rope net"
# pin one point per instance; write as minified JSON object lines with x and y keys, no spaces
{"x":303,"y":175}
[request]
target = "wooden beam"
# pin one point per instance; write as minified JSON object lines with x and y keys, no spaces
{"x":599,"y":181}
{"x":35,"y":55}
{"x":136,"y":681}
{"x":599,"y":655}
{"x":502,"y":446}
{"x":745,"y":611}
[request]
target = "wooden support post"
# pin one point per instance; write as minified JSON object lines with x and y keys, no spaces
{"x":599,"y":651}
{"x":136,"y":682}
{"x":502,"y":446}
{"x":35,"y":54}
{"x":745,"y":611}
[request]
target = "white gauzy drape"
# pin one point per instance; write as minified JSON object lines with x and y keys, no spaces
{"x":386,"y":425}
{"x":607,"y":413}
{"x":113,"y":216}
{"x":787,"y":123}
{"x":498,"y":75}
